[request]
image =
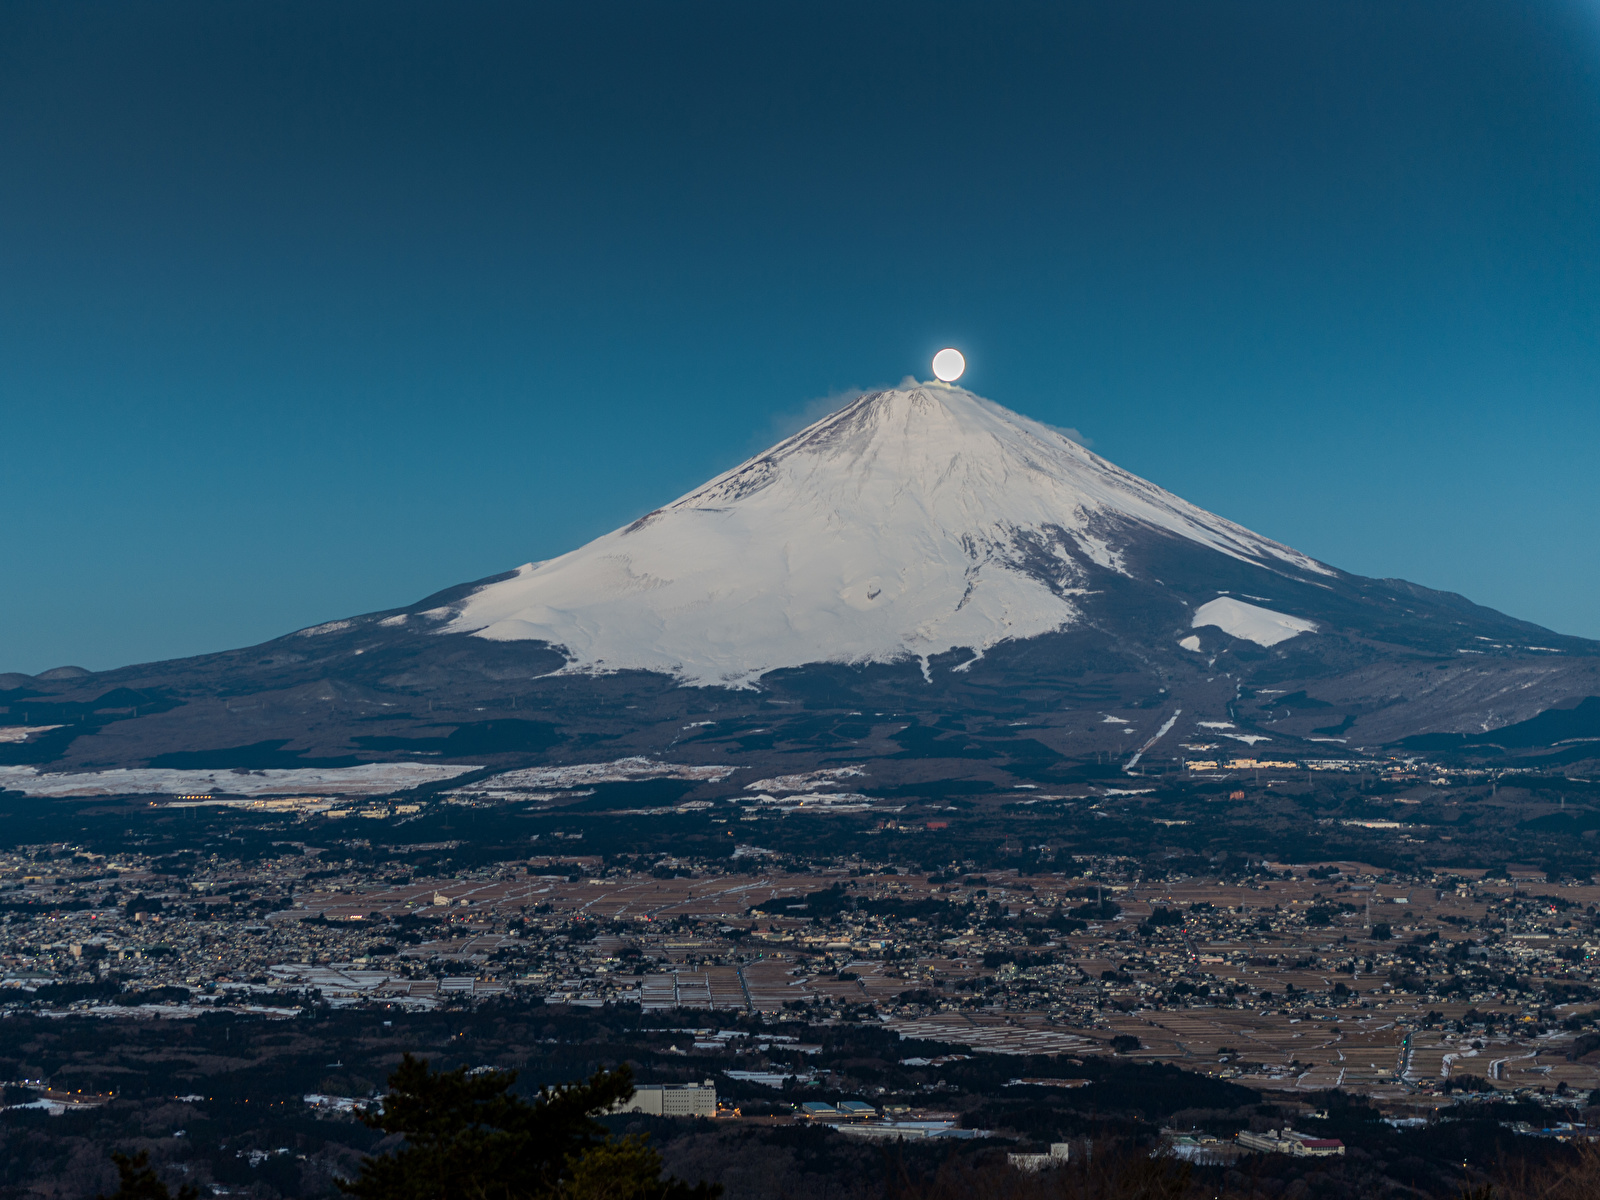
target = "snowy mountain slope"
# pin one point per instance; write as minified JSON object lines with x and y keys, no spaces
{"x":910,"y":523}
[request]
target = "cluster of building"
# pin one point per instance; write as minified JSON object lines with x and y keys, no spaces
{"x":1208,"y":1149}
{"x":1392,"y":769}
{"x":1288,"y":1141}
{"x":1252,"y":764}
{"x":858,"y":1119}
{"x":1297,"y":978}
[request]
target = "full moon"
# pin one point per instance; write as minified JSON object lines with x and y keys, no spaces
{"x":948,"y":365}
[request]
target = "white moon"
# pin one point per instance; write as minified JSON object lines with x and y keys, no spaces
{"x":948,"y":365}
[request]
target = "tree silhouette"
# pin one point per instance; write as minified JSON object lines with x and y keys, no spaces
{"x":139,"y":1181}
{"x":469,"y":1138}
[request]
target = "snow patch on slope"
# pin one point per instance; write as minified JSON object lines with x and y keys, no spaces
{"x":1247,"y":621}
{"x":1259,"y":625}
{"x":327,"y":627}
{"x":907,"y":524}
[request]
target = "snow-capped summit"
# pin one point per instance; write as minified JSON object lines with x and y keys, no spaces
{"x":911,"y":522}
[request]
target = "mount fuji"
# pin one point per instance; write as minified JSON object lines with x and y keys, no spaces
{"x":911,"y":523}
{"x":913,"y":579}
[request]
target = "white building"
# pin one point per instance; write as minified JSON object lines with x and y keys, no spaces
{"x":673,"y":1100}
{"x":1059,"y":1153}
{"x":1287,"y":1141}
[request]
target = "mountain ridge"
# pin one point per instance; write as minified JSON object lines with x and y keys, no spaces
{"x":1102,"y":613}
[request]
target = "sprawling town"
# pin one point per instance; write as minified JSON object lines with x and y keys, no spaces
{"x":1036,"y":970}
{"x":1300,"y":977}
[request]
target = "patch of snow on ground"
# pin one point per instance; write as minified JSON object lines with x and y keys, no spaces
{"x":811,"y":781}
{"x":21,"y":733}
{"x":1259,"y":625}
{"x":822,"y":802}
{"x":1159,"y":734}
{"x":366,"y":780}
{"x":623,"y":770}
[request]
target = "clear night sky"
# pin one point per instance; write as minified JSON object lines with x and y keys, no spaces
{"x":312,"y":309}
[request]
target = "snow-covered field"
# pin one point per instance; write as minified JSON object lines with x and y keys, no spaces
{"x":810,"y":781}
{"x":837,"y":802}
{"x":369,"y":779}
{"x":623,"y":770}
{"x":909,"y":523}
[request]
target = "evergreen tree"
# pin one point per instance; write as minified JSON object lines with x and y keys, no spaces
{"x":139,"y":1181}
{"x":469,"y":1138}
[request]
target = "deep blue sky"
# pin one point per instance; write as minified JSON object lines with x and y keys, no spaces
{"x":312,"y":309}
